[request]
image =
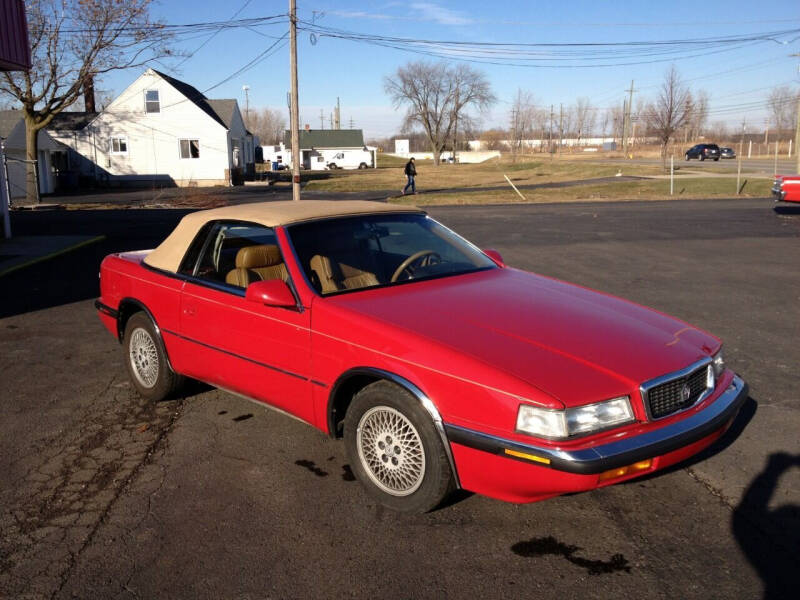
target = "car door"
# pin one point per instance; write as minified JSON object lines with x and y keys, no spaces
{"x":262,"y":352}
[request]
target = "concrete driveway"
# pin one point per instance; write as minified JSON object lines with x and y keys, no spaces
{"x":209,"y":496}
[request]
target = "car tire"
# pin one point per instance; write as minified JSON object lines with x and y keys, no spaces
{"x":687,"y":157}
{"x":702,"y":158}
{"x":146,"y":360}
{"x":362,"y":165}
{"x":395,"y":451}
{"x":716,"y":159}
{"x":332,"y":166}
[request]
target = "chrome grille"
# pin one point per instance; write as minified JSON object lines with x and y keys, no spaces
{"x":679,"y":393}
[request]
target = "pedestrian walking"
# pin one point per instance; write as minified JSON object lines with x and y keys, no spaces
{"x":411,"y":173}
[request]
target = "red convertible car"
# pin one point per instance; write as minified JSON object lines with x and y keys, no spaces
{"x":440,"y":366}
{"x":786,"y":188}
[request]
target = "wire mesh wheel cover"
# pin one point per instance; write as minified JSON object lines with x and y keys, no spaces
{"x":391,"y":451}
{"x":144,"y":357}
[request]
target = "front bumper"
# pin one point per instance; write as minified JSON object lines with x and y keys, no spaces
{"x":598,"y":459}
{"x":778,"y":194}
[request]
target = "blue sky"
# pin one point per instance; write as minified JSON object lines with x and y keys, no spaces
{"x":354,"y":71}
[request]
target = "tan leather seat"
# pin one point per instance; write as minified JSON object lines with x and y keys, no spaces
{"x":334,"y":277}
{"x":257,"y":263}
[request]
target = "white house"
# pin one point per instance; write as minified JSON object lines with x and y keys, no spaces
{"x":164,"y":131}
{"x":49,"y":161}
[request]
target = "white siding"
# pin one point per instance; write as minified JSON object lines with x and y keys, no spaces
{"x":153,"y":139}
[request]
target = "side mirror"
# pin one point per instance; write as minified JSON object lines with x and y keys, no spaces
{"x":273,"y":292}
{"x":495,"y":256}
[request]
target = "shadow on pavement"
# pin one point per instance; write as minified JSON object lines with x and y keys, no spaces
{"x":770,"y":537}
{"x":787,"y":210}
{"x":74,"y":276}
{"x":746,"y":414}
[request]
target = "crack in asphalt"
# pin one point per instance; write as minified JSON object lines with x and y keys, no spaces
{"x":175,"y":414}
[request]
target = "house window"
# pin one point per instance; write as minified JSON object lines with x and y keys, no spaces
{"x":152,"y":104}
{"x":119,"y":145}
{"x":190,"y":148}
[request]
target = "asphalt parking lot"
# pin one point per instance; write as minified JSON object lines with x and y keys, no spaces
{"x":210,"y":496}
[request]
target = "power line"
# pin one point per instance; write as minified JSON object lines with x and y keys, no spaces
{"x":211,"y":37}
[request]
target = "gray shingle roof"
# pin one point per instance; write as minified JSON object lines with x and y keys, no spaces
{"x":71,"y":120}
{"x":195,"y":95}
{"x":327,"y":138}
{"x":8,"y":120}
{"x":224,"y":109}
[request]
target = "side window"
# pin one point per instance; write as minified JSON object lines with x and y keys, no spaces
{"x":152,"y":102}
{"x":119,"y":145}
{"x":235,"y":254}
{"x":190,"y":148}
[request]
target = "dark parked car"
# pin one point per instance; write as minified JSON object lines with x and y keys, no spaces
{"x":703,"y":151}
{"x":727,"y":153}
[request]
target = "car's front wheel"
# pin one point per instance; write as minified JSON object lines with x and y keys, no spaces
{"x":395,"y":450}
{"x":687,"y":156}
{"x":146,"y":360}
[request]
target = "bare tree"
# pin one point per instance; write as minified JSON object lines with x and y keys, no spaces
{"x":782,"y":102}
{"x":73,"y":42}
{"x":699,"y":117}
{"x":616,"y":116}
{"x":492,"y":139}
{"x":522,"y":122}
{"x":268,"y":124}
{"x":438,"y":96}
{"x":670,"y":110}
{"x":585,"y":118}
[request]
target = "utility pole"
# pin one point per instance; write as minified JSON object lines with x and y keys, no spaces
{"x":739,"y":166}
{"x":627,"y":119}
{"x":797,"y":131}
{"x":797,"y":137}
{"x":551,"y":130}
{"x":352,"y":125}
{"x":337,"y":113}
{"x":321,"y":119}
{"x":561,"y":128}
{"x":246,"y":89}
{"x":295,"y":116}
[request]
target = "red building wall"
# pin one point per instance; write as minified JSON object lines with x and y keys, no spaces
{"x":15,"y":53}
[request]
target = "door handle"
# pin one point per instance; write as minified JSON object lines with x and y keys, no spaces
{"x":189,"y":311}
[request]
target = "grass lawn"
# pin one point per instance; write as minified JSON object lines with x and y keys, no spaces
{"x":650,"y":189}
{"x":464,"y":176}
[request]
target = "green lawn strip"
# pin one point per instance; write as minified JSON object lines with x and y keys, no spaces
{"x":623,"y":190}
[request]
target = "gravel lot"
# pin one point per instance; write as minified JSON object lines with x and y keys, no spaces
{"x":105,"y":496}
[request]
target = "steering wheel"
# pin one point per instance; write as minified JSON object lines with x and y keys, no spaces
{"x":423,"y":257}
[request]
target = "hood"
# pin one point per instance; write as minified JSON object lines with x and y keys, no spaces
{"x":573,"y":343}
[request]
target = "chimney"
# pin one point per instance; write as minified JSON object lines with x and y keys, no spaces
{"x":88,"y":94}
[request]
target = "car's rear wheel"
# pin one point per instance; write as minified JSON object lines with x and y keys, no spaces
{"x":687,"y":156}
{"x":395,"y":450}
{"x":716,"y":159}
{"x":332,"y":166}
{"x":362,"y":165}
{"x":146,"y":360}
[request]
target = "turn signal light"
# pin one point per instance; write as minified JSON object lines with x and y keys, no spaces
{"x":642,"y":465}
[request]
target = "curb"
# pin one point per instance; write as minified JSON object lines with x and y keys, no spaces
{"x":45,"y":257}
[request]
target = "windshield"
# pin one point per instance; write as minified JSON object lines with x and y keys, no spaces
{"x":353,"y":253}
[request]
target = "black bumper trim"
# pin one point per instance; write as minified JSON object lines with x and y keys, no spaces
{"x":597,"y":459}
{"x":105,"y":309}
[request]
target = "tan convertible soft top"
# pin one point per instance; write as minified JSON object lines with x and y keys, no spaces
{"x":170,"y":252}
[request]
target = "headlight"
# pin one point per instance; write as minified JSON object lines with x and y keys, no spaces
{"x":718,"y":364}
{"x":542,"y":422}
